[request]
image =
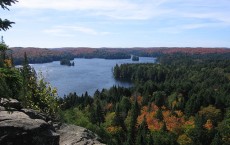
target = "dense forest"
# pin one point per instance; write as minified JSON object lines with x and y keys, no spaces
{"x":181,"y":99}
{"x":42,"y":55}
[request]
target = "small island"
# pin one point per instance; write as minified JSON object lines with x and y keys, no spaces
{"x":66,"y":62}
{"x":135,"y":58}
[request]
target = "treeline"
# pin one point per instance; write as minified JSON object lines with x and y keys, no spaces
{"x":105,"y":54}
{"x":42,"y":55}
{"x":37,"y":55}
{"x":181,"y":100}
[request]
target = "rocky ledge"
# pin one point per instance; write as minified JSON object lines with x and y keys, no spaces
{"x":20,"y":126}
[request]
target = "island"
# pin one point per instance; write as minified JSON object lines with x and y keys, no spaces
{"x":135,"y":58}
{"x":66,"y":62}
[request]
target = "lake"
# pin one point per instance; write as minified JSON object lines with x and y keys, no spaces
{"x":87,"y":74}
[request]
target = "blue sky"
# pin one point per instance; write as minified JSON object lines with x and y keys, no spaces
{"x":118,"y":23}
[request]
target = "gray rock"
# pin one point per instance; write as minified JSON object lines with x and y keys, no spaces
{"x":10,"y":103}
{"x":75,"y":135}
{"x":17,"y":128}
{"x":2,"y":108}
{"x":35,"y":114}
{"x":29,"y":127}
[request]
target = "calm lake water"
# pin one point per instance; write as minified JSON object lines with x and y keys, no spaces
{"x":87,"y":74}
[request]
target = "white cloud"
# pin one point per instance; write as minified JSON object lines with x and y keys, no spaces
{"x":136,"y":9}
{"x":184,"y":27}
{"x":117,"y":9}
{"x":72,"y":30}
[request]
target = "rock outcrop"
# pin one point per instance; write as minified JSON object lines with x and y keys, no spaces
{"x":28,"y":127}
{"x":19,"y":128}
{"x":75,"y":135}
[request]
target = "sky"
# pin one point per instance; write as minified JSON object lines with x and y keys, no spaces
{"x":118,"y":23}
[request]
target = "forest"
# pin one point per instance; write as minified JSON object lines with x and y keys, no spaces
{"x":180,"y":100}
{"x":43,"y":55}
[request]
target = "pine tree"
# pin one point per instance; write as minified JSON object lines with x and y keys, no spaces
{"x":29,"y":83}
{"x":5,"y":24}
{"x":118,"y":119}
{"x":164,"y":127}
{"x":3,"y":49}
{"x":98,"y":113}
{"x":150,"y":140}
{"x":132,"y":128}
{"x":217,"y":139}
{"x":159,"y":115}
{"x":142,"y":133}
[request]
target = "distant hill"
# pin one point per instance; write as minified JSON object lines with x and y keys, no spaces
{"x":42,"y":55}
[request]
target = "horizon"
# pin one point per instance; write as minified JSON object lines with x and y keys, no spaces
{"x":121,"y":47}
{"x":118,"y":23}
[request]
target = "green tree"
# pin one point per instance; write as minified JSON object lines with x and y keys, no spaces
{"x":159,"y":98}
{"x":45,"y":98}
{"x":97,"y":113}
{"x":125,"y":106}
{"x":224,"y":128}
{"x":150,"y":140}
{"x":29,"y":83}
{"x":142,"y":133}
{"x":133,"y":122}
{"x":118,"y":119}
{"x":217,"y":140}
{"x":5,"y":24}
{"x":159,"y":115}
{"x":3,"y":49}
{"x":10,"y":83}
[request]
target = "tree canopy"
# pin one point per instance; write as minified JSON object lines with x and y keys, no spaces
{"x":6,"y":24}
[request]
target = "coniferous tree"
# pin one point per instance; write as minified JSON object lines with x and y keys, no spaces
{"x":197,"y":134}
{"x":159,"y":115}
{"x":142,"y":133}
{"x":118,"y":119}
{"x":29,"y":83}
{"x":125,"y":106}
{"x":10,"y":80}
{"x":3,"y":49}
{"x":217,"y":139}
{"x":164,"y":127}
{"x":150,"y":140}
{"x":97,"y":113}
{"x":133,"y":122}
{"x":5,"y":24}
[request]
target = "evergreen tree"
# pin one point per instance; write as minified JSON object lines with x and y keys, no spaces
{"x":142,"y":133}
{"x":159,"y":115}
{"x":118,"y":119}
{"x":5,"y":24}
{"x":97,"y":113}
{"x":133,"y":122}
{"x":29,"y":83}
{"x":150,"y":140}
{"x":164,"y":127}
{"x":3,"y":49}
{"x":198,"y":133}
{"x":125,"y":106}
{"x":217,"y":140}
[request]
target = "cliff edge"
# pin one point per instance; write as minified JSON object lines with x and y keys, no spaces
{"x":19,"y":126}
